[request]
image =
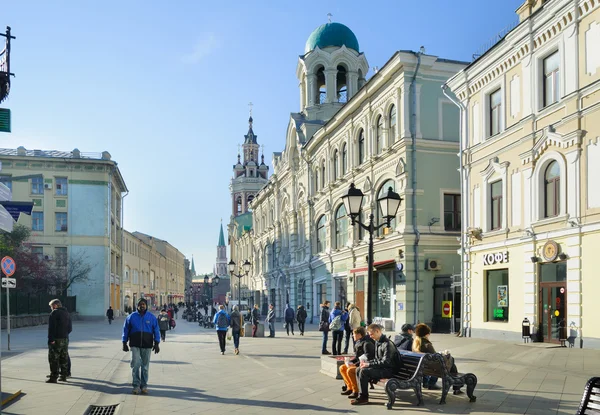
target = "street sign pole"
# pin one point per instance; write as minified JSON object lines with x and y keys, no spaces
{"x":7,"y":316}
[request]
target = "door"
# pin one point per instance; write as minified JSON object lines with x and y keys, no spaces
{"x":552,"y":310}
{"x":442,"y":291}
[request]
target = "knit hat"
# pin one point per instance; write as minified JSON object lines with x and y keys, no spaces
{"x":422,"y":330}
{"x":406,"y":327}
{"x":142,"y":300}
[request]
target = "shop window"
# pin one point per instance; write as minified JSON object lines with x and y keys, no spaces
{"x":497,"y":295}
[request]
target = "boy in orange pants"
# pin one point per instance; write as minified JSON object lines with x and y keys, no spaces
{"x":364,"y":346}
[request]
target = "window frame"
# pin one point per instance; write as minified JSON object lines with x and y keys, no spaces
{"x":455,"y":212}
{"x":63,"y":192}
{"x":321,"y":242}
{"x":335,"y":164}
{"x":555,"y":75}
{"x":491,"y":111}
{"x":56,"y":221}
{"x":379,"y":134}
{"x":393,"y":117}
{"x":496,"y":199}
{"x":59,"y":255}
{"x":361,"y":147}
{"x":555,"y":183}
{"x":487,"y":296}
{"x":34,"y":219}
{"x":344,"y":159}
{"x":341,"y":235}
{"x":37,"y":186}
{"x":5,"y":179}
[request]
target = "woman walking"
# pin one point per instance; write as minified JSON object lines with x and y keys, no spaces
{"x":236,"y":328}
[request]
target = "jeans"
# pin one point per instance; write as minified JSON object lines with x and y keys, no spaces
{"x":325,"y":337}
{"x":287,"y":327}
{"x":429,"y":381}
{"x":347,"y":342}
{"x":254,"y":329}
{"x":140,"y":358}
{"x":365,"y":375}
{"x":222,"y":334}
{"x":338,"y":335}
{"x":236,"y":339}
{"x":163,"y":334}
{"x":301,"y":327}
{"x":271,"y":329}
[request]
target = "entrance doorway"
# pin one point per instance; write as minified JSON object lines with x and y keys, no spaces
{"x":552,"y":301}
{"x":359,"y":295}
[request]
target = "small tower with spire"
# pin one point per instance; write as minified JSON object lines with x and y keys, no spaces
{"x":193,"y":270}
{"x":221,"y":264}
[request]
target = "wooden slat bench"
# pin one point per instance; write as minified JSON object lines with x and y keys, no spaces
{"x":590,"y":402}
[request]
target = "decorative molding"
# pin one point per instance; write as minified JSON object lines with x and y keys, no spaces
{"x":494,"y":166}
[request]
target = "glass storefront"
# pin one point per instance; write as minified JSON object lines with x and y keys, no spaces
{"x":552,"y":300}
{"x":385,"y":290}
{"x":497,"y":295}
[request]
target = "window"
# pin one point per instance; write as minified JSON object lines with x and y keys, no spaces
{"x":497,"y":295}
{"x":496,"y":205}
{"x":551,"y":79}
{"x":127,"y":273}
{"x":382,"y":192}
{"x":37,"y":221}
{"x":316,"y":180}
{"x":361,"y":147}
{"x":61,"y":222}
{"x":322,"y":293}
{"x":37,"y":186}
{"x":61,"y":186}
{"x":136,"y":277}
{"x":322,"y":175}
{"x":344,"y":159}
{"x":239,"y":205}
{"x":39,"y":251}
{"x":335,"y":164}
{"x":552,"y":190}
{"x":321,"y":234}
{"x":341,"y":227}
{"x":379,"y":134}
{"x":60,"y":256}
{"x":451,"y":212}
{"x":393,"y":122}
{"x":495,"y":112}
{"x":6,"y":180}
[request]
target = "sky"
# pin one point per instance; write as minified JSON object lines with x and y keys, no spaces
{"x":164,"y":86}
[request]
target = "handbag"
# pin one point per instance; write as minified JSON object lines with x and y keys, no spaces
{"x":241,"y":326}
{"x":323,"y":326}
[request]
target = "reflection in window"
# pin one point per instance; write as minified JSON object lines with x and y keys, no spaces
{"x":361,"y":147}
{"x":321,"y":234}
{"x":379,"y":134}
{"x":551,"y":79}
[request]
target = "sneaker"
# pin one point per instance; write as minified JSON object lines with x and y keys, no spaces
{"x":326,"y":352}
{"x":51,"y":380}
{"x":354,"y":395}
{"x":144,"y":391}
{"x":223,"y":353}
{"x":346,"y":393}
{"x":237,"y":351}
{"x":62,"y":378}
{"x":135,"y":390}
{"x":344,"y":388}
{"x":360,"y":401}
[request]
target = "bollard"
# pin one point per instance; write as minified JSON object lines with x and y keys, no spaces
{"x":526,"y":330}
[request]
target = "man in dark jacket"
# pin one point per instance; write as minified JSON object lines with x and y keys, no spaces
{"x":363,"y":346}
{"x":405,"y":340}
{"x":301,"y":318}
{"x":255,"y":319}
{"x":110,"y":314}
{"x":289,"y":319}
{"x":59,"y":327}
{"x":142,"y":332}
{"x":384,"y":365}
{"x":271,"y":320}
{"x":236,"y":328}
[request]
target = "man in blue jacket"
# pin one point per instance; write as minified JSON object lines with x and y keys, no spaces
{"x":141,"y":330}
{"x":221,"y":322}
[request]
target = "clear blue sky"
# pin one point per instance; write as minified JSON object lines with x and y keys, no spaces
{"x":164,"y":86}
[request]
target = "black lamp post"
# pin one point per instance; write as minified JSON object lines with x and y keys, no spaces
{"x":210,"y":283}
{"x":247,"y":266}
{"x":389,"y":205}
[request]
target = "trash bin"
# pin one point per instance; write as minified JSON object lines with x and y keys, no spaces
{"x":526,"y":330}
{"x":562,"y":332}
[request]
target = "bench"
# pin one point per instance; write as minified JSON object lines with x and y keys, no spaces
{"x":590,"y":402}
{"x":456,"y":380}
{"x":410,"y":376}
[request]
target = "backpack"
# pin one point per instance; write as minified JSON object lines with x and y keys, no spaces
{"x":222,"y":321}
{"x":336,"y":323}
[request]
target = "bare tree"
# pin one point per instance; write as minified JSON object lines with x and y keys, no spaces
{"x":76,"y":269}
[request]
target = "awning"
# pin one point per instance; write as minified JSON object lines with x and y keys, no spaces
{"x":378,"y":264}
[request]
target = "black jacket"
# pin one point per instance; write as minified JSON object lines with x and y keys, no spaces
{"x":255,"y":316}
{"x":301,"y":314}
{"x":405,"y":343}
{"x":325,"y":314}
{"x":59,"y":324}
{"x":110,"y":313}
{"x":386,"y":355}
{"x":365,"y":346}
{"x":235,"y":321}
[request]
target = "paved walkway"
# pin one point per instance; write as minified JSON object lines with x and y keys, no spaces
{"x":271,"y":376}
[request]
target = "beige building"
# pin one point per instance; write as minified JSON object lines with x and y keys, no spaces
{"x":531,"y":127}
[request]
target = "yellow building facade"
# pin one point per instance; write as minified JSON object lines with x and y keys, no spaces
{"x":530,"y":113}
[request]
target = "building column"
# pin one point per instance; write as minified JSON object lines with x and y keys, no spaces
{"x":352,"y":83}
{"x":311,"y":89}
{"x":331,"y":85}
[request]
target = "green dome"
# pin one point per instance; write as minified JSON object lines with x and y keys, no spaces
{"x":331,"y":34}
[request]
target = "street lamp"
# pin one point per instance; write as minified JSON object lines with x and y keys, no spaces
{"x":247,"y":266}
{"x":210,"y":283}
{"x":389,"y":204}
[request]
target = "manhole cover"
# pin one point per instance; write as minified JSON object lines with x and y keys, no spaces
{"x":102,"y":410}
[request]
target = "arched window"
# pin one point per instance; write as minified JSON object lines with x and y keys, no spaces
{"x":265,"y":259}
{"x":317,"y":179}
{"x":323,"y":174}
{"x":321,"y":235}
{"x":379,"y":134}
{"x":341,"y":227}
{"x":361,"y":147}
{"x":344,"y":159}
{"x":321,"y":88}
{"x":335,"y":165}
{"x":274,"y":254}
{"x":238,"y":207}
{"x":342,"y":84}
{"x":250,"y":199}
{"x":393,"y":122}
{"x":382,"y":192}
{"x":552,"y":190}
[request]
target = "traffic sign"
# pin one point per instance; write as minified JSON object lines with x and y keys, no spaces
{"x":8,"y":266}
{"x":446,"y":309}
{"x":9,"y":282}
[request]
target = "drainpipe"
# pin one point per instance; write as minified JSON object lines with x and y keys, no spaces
{"x":413,"y":134}
{"x":110,"y":285}
{"x":122,"y":245}
{"x":464,"y":201}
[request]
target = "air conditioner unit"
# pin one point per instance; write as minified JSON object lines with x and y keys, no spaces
{"x":48,"y":186}
{"x":432,"y":265}
{"x":48,"y":257}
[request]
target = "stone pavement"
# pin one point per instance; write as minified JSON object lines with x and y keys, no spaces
{"x":274,"y":376}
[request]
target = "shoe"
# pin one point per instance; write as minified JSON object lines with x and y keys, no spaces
{"x":62,"y":378}
{"x":51,"y":380}
{"x":69,"y":374}
{"x":135,"y":390}
{"x":325,"y":352}
{"x":434,"y":388}
{"x":344,"y":388}
{"x":223,"y":353}
{"x":144,"y":391}
{"x":346,"y":393}
{"x":360,"y":401}
{"x":354,"y":395}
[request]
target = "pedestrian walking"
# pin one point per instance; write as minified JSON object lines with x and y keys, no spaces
{"x":347,"y":329}
{"x":110,"y":314}
{"x":301,"y":318}
{"x":324,"y":326}
{"x":236,"y":324}
{"x":163,"y":324}
{"x":142,"y":332}
{"x":337,"y":320}
{"x":59,"y":327}
{"x":289,"y":319}
{"x":221,"y":322}
{"x":271,"y":320}
{"x":176,"y":309}
{"x":255,"y":319}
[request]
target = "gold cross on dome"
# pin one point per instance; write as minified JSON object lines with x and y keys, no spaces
{"x":329,"y":16}
{"x":250,"y":105}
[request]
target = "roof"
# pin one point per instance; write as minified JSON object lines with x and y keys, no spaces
{"x":244,"y":222}
{"x":221,"y":237}
{"x":331,"y":34}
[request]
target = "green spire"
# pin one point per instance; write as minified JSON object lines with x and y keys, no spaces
{"x":193,"y":267}
{"x":221,"y":237}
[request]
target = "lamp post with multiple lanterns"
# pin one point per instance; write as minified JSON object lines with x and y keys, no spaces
{"x":246,"y":266}
{"x":389,"y":204}
{"x":210,"y":283}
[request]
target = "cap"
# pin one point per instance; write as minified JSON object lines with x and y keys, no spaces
{"x":406,"y":327}
{"x":142,"y":300}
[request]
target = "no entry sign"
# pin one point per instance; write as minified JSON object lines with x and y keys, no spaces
{"x":446,"y":309}
{"x":8,"y":266}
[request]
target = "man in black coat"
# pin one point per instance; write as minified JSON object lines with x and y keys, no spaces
{"x":405,"y":340}
{"x":59,"y":327}
{"x":384,"y":365}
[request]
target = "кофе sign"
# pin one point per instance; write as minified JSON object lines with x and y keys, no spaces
{"x":495,"y":258}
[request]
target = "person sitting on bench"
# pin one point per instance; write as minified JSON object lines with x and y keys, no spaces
{"x":364,"y":346}
{"x":385,"y":364}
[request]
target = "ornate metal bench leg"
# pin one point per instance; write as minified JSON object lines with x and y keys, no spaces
{"x":390,"y":389}
{"x":471,"y":381}
{"x":446,"y":384}
{"x":419,"y":393}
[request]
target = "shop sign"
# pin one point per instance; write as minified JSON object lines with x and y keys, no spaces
{"x":550,"y":251}
{"x":495,"y":258}
{"x":499,"y":313}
